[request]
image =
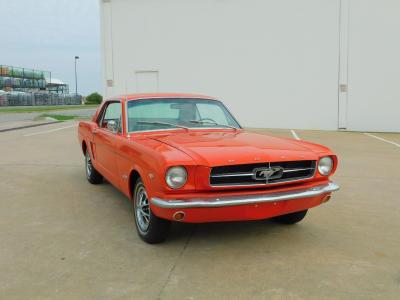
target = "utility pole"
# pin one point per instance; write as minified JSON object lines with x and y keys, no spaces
{"x":76,"y":77}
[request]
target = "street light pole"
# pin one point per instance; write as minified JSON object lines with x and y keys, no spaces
{"x":76,"y":77}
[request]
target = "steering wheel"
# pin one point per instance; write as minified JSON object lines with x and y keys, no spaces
{"x":207,"y":119}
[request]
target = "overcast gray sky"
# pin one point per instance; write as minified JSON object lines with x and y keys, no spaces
{"x":47,"y":34}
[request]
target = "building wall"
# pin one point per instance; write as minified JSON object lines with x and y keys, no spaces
{"x":275,"y":64}
{"x":374,"y":66}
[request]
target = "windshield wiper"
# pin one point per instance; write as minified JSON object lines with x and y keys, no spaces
{"x":162,"y":123}
{"x":213,"y":123}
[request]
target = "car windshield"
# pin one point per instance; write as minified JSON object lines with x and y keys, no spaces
{"x":155,"y":114}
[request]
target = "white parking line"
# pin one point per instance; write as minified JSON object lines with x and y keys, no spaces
{"x":382,"y":139}
{"x":295,"y":135}
{"x":50,"y":131}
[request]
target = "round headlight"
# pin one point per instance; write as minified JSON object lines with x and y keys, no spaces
{"x":176,"y":177}
{"x":325,"y":165}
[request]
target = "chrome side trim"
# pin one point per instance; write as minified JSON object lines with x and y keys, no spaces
{"x":249,"y":199}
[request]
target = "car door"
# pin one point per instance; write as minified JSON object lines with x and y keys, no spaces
{"x":105,"y":140}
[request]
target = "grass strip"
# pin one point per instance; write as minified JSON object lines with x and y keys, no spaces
{"x":27,"y":109}
{"x":58,"y":117}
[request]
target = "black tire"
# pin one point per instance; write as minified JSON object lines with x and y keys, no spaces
{"x":92,"y":175}
{"x":150,"y":228}
{"x":292,"y":218}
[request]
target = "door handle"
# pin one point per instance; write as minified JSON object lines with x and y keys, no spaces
{"x":94,"y":131}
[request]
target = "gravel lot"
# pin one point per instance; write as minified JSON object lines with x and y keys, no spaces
{"x":62,"y":238}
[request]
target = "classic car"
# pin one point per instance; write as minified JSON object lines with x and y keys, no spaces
{"x":185,"y":158}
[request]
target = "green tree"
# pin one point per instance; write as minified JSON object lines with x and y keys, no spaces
{"x":94,"y":98}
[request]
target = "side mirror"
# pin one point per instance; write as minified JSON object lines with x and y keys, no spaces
{"x":112,"y":126}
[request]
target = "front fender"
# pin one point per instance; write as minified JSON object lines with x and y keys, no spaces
{"x":150,"y":159}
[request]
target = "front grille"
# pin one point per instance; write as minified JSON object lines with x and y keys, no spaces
{"x":237,"y":175}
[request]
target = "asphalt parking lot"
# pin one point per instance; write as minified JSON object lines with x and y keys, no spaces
{"x":63,"y":238}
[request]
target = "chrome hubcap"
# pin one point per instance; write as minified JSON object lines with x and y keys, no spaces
{"x":89,"y":166}
{"x":142,"y":209}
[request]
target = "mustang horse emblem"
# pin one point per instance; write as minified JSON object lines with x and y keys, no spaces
{"x":267,"y":173}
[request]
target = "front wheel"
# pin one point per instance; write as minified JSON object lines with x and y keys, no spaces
{"x":292,"y":218}
{"x":150,"y":228}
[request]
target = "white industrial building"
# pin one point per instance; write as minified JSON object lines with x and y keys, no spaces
{"x":310,"y":64}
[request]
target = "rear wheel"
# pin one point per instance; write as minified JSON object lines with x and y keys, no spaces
{"x":150,"y":228}
{"x":292,"y":218}
{"x":92,"y":175}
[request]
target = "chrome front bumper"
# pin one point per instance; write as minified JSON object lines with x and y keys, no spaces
{"x":249,"y":199}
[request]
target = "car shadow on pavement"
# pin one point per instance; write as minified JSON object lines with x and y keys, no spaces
{"x":228,"y":231}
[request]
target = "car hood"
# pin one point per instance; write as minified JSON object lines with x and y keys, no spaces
{"x":242,"y":147}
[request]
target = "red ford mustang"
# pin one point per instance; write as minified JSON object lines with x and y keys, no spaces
{"x":185,"y":158}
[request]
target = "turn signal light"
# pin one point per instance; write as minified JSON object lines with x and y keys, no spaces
{"x":179,"y":216}
{"x":326,"y":198}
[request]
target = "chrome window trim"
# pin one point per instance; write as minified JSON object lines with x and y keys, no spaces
{"x":180,"y":129}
